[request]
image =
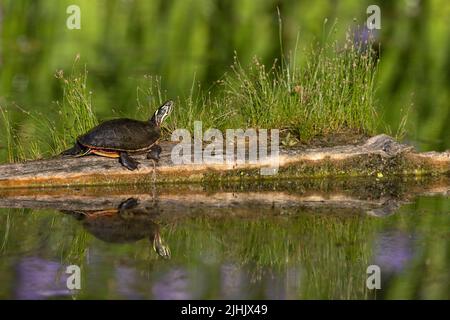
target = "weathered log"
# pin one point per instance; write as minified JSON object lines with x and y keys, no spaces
{"x":353,"y":196}
{"x":379,"y":156}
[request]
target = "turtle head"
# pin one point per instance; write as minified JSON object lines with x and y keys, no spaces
{"x":160,"y":247}
{"x":162,"y":113}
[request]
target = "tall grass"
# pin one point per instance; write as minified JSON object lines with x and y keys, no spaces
{"x":9,"y":135}
{"x":333,"y":92}
{"x":76,"y":114}
{"x":176,"y":39}
{"x":49,"y":134}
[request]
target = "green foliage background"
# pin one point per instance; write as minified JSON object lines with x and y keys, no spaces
{"x":195,"y":40}
{"x":189,"y":41}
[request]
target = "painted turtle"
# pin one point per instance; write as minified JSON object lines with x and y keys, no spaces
{"x":128,"y":223}
{"x":120,"y":137}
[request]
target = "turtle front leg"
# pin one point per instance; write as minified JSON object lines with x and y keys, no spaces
{"x":128,"y":162}
{"x":154,"y":152}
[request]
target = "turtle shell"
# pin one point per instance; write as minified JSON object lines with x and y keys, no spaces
{"x":114,"y":229}
{"x":122,"y":135}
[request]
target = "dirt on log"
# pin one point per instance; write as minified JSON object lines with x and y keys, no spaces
{"x":379,"y":156}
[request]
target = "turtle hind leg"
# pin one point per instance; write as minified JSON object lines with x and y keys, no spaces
{"x":154,"y":152}
{"x":76,"y":150}
{"x":128,"y":162}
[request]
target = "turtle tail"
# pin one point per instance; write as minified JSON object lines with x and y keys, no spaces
{"x":74,"y":151}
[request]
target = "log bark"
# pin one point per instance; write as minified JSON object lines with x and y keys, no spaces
{"x":322,"y":196}
{"x":379,"y":156}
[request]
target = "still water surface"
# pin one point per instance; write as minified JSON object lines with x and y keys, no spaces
{"x":286,"y":244}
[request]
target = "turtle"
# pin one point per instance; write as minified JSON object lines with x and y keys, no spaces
{"x":127,"y":223}
{"x":118,"y":138}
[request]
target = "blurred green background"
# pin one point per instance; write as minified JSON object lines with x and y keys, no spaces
{"x":183,"y":41}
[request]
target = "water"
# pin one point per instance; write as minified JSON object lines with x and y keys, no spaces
{"x":306,"y":240}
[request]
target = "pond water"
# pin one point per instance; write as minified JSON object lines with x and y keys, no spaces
{"x":196,"y":243}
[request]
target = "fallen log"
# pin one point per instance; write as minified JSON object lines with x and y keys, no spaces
{"x":379,"y":156}
{"x":168,"y":202}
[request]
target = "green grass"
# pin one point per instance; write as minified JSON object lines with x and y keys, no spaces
{"x":333,"y":92}
{"x":48,"y":134}
{"x":76,"y":113}
{"x":160,"y":38}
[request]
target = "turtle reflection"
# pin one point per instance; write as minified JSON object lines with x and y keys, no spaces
{"x":127,"y":223}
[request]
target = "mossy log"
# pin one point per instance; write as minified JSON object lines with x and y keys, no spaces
{"x":379,"y":156}
{"x":375,"y":197}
